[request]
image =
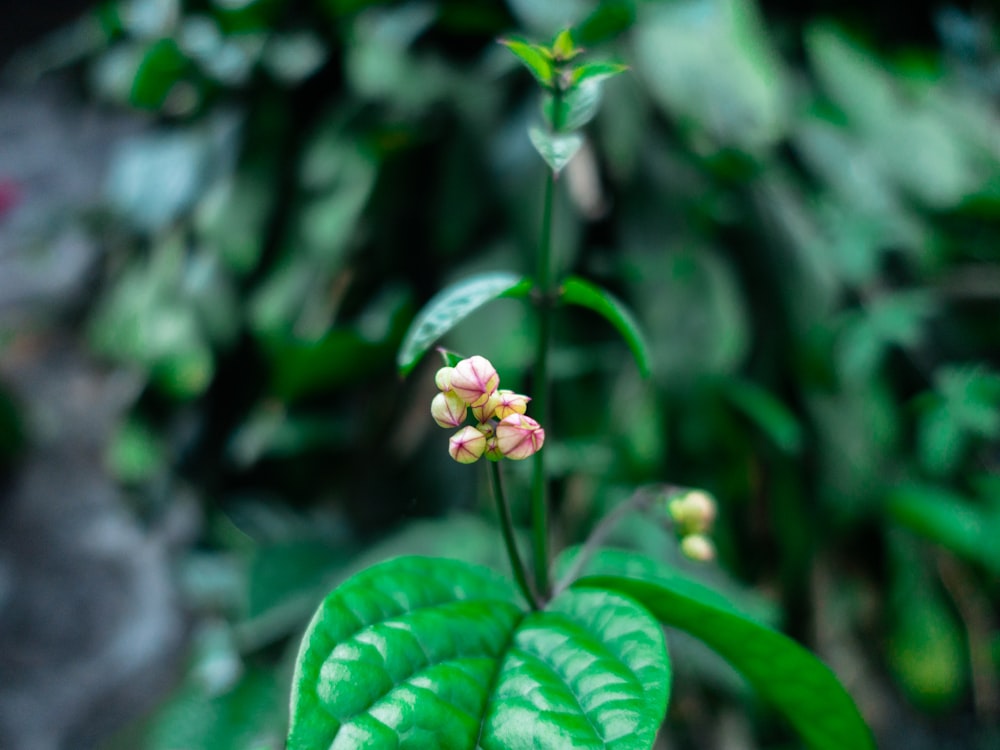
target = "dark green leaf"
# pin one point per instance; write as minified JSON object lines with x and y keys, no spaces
{"x":451,"y":306}
{"x":925,"y":647}
{"x":610,"y":19}
{"x":767,"y":412}
{"x":534,"y":57}
{"x":246,"y":716}
{"x":557,"y":149}
{"x":576,"y":291}
{"x":162,"y":66}
{"x":785,"y":673}
{"x":971,"y":397}
{"x":949,"y":519}
{"x":300,"y":368}
{"x":418,"y":652}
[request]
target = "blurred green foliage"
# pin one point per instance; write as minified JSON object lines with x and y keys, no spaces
{"x":808,"y":226}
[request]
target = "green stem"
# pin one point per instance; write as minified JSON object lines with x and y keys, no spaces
{"x":540,"y":392}
{"x":507,"y":526}
{"x":639,"y":501}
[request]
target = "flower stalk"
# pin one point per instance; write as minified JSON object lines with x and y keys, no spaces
{"x":509,"y":540}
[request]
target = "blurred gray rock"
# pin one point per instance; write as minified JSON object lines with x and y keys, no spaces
{"x":53,"y":163}
{"x":90,"y":626}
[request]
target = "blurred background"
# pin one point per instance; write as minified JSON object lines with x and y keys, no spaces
{"x":218,"y":217}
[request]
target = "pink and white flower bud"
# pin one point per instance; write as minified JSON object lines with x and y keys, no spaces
{"x":442,"y":379}
{"x":698,"y":547}
{"x":519,"y":436}
{"x":448,"y":409}
{"x":510,"y":403}
{"x":467,"y":445}
{"x":475,"y":380}
{"x":485,"y":410}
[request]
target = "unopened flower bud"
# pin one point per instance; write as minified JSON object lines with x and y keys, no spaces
{"x":492,"y":452}
{"x":475,"y":380}
{"x":448,"y":409}
{"x":467,"y":445}
{"x":519,"y":436}
{"x":694,"y":513}
{"x":442,"y":379}
{"x":485,"y":410}
{"x":509,"y":403}
{"x":698,"y":547}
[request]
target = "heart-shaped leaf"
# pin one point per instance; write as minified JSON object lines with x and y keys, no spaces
{"x":451,"y":306}
{"x":419,"y":652}
{"x":792,"y":679}
{"x":556,"y":149}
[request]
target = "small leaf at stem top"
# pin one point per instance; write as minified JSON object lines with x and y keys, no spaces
{"x":563,"y":47}
{"x":535,"y":58}
{"x":595,"y":72}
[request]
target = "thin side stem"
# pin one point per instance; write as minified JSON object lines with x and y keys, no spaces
{"x":639,"y":501}
{"x":507,"y":526}
{"x":540,"y":392}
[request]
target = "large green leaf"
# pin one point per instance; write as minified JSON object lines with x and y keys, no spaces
{"x":451,"y":306}
{"x":785,"y":673}
{"x":430,"y":653}
{"x":576,"y":291}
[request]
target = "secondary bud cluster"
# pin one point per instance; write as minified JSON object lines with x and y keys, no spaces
{"x":694,"y":514}
{"x":501,"y":429}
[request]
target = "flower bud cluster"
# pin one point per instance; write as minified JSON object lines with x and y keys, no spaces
{"x":501,"y":429}
{"x":694,"y":514}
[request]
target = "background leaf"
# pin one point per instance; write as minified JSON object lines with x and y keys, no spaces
{"x":949,"y":519}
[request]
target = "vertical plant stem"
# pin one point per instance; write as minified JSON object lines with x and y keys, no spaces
{"x":540,"y":391}
{"x":507,"y":526}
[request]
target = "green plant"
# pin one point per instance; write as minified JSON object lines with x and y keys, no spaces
{"x":800,"y":206}
{"x":424,"y":652}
